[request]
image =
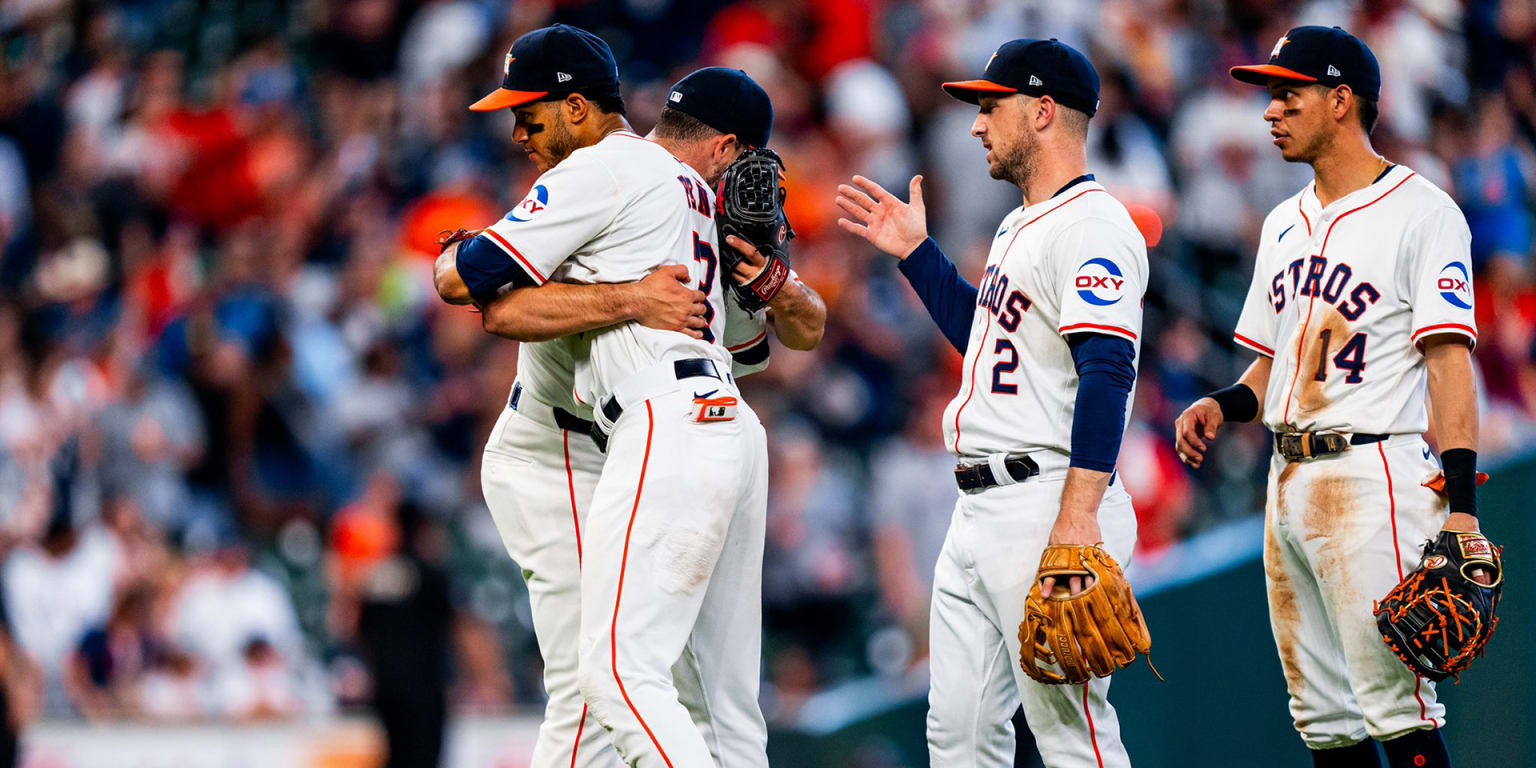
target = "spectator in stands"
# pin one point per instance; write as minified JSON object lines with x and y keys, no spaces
{"x":912,"y":495}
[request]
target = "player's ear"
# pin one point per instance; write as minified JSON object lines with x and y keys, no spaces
{"x":1045,"y":112}
{"x":727,"y":148}
{"x":576,"y":108}
{"x":1338,"y":101}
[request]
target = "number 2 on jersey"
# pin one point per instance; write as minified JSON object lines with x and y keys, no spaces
{"x":1003,"y":366}
{"x":702,"y":252}
{"x":1351,"y":357}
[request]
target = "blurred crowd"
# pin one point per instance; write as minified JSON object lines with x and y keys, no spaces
{"x":239,"y":436}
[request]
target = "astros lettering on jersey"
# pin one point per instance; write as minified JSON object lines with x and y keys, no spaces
{"x":1073,"y":263}
{"x":1342,"y":297}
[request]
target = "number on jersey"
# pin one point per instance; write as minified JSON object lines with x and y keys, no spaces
{"x":1008,"y":365}
{"x":1351,"y":357}
{"x":703,"y":252}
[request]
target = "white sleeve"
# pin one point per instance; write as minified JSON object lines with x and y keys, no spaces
{"x":746,"y":337}
{"x":568,"y":206}
{"x":1102,"y":269}
{"x":1440,"y":263}
{"x":1261,"y":308}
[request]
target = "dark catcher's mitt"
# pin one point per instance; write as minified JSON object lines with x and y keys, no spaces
{"x":751,"y":206}
{"x":1438,"y":618}
{"x":1087,"y":634}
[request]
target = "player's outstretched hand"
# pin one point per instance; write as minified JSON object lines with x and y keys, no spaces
{"x":666,"y":299}
{"x":1197,"y":424}
{"x":881,"y":218}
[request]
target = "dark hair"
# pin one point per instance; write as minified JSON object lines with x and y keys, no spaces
{"x":1365,"y":106}
{"x":611,"y":102}
{"x":681,"y":126}
{"x":1368,"y":111}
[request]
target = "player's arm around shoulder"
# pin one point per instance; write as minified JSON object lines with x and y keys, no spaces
{"x":664,"y":299}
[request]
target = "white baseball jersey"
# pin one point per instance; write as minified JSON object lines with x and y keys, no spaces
{"x":604,"y":215}
{"x":1071,"y":264}
{"x":620,"y":221}
{"x":1342,"y":296}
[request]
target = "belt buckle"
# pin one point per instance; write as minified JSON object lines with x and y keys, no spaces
{"x":1292,"y":445}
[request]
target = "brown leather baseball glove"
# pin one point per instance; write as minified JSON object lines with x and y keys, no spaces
{"x":1084,"y":635}
{"x":448,"y":237}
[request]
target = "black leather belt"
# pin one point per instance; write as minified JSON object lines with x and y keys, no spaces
{"x":683,"y":369}
{"x":1296,"y":446}
{"x":572,"y":422}
{"x":974,"y":477}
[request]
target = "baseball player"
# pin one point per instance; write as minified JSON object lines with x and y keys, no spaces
{"x":1361,"y":295}
{"x":1050,"y":337}
{"x":540,"y":479}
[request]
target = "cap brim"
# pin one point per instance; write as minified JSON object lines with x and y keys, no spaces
{"x":970,"y":91}
{"x":1261,"y":74}
{"x":501,"y":98}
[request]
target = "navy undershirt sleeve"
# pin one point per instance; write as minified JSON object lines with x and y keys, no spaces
{"x":485,"y":269}
{"x":1106,"y":369}
{"x":949,"y":298}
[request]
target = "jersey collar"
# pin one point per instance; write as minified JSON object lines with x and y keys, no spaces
{"x":1314,"y":209}
{"x":1073,"y":183}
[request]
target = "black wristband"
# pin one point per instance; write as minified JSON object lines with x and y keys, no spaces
{"x":1460,"y":466}
{"x":1238,"y":403}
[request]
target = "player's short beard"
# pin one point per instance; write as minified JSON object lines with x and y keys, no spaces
{"x":1317,"y":147}
{"x":1017,"y":164}
{"x":561,"y":142}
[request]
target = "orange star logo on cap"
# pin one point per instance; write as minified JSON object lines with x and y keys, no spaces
{"x":1278,"y":45}
{"x":506,"y":69}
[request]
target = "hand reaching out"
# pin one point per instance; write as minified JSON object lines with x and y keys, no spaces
{"x":881,"y":218}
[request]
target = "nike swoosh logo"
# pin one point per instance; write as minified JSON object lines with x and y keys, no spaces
{"x":698,"y":396}
{"x":1282,"y":234}
{"x":1000,"y":234}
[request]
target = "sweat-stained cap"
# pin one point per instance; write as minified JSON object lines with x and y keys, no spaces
{"x":727,"y":101}
{"x":558,"y":60}
{"x":1323,"y":55}
{"x":1035,"y":68}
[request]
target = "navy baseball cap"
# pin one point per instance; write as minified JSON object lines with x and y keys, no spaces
{"x":1035,"y":68}
{"x":1323,"y":55}
{"x":558,"y":59}
{"x":727,"y":101}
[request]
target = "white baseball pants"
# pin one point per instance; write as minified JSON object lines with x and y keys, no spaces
{"x":1339,"y":533}
{"x":985,"y":571}
{"x":538,"y":481}
{"x":673,"y":563}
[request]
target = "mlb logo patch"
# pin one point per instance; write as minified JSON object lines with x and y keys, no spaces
{"x":1474,"y":545}
{"x":714,"y":409}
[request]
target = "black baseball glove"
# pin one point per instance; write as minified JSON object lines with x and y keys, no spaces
{"x":1439,"y":618}
{"x":750,"y":205}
